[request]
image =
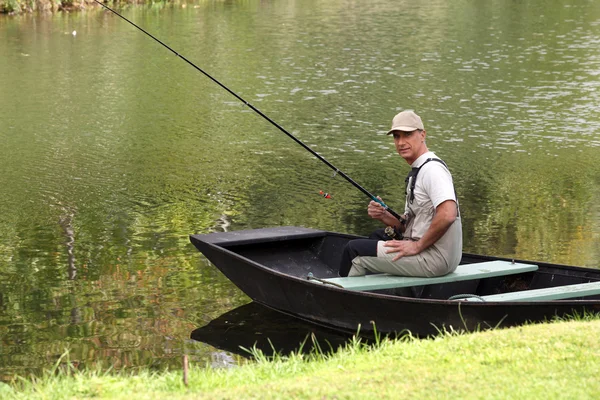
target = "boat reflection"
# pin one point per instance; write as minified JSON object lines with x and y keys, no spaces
{"x":254,"y":325}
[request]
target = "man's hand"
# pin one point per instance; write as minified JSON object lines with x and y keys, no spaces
{"x":404,"y":248}
{"x":376,"y":210}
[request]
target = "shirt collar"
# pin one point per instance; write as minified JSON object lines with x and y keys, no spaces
{"x":419,"y":161}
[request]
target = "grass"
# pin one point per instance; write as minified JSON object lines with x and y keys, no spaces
{"x":559,"y":360}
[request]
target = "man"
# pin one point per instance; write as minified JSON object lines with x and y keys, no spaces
{"x":427,"y":241}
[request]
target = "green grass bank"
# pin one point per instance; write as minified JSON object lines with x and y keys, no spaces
{"x":559,"y":360}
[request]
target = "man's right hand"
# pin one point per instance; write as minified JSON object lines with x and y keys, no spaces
{"x":376,"y":210}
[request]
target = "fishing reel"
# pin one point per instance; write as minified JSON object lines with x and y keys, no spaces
{"x":391,"y":232}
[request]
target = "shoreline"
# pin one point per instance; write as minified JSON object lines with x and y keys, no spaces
{"x":20,"y":7}
{"x":549,"y":360}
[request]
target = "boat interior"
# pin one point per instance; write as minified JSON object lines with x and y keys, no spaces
{"x":317,"y":257}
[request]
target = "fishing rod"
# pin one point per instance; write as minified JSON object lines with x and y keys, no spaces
{"x":314,"y":153}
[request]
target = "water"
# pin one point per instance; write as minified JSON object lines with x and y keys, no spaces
{"x":114,"y":150}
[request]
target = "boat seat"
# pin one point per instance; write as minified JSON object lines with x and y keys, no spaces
{"x":551,"y":293}
{"x":464,"y":272}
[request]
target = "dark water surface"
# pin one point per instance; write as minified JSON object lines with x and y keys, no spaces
{"x":113,"y":150}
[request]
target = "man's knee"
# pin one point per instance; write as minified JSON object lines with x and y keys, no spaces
{"x":362,"y":247}
{"x":356,"y":248}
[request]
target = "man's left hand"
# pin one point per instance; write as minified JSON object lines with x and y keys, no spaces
{"x":404,"y":248}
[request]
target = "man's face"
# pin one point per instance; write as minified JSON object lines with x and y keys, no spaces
{"x":410,"y":145}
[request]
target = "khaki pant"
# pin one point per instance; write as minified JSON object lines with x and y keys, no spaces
{"x":427,"y":264}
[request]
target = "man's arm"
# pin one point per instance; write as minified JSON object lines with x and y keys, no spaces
{"x":445,"y":215}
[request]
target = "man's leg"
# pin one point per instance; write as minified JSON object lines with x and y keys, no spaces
{"x":356,"y":248}
{"x":428,"y":263}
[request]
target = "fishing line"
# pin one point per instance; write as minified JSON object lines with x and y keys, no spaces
{"x":294,"y":138}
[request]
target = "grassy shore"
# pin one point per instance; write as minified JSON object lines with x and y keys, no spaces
{"x":12,"y":7}
{"x":559,"y":360}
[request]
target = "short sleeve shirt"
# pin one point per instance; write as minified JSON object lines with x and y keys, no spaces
{"x":433,"y":186}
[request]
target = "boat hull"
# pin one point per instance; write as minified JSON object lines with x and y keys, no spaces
{"x":283,"y":286}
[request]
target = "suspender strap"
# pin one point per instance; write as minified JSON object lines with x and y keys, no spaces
{"x":413,"y":174}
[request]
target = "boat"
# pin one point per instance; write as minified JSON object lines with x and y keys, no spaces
{"x":293,"y":270}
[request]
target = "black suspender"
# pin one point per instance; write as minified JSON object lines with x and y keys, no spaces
{"x":413,"y":174}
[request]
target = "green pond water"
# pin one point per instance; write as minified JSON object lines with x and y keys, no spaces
{"x":113,"y":150}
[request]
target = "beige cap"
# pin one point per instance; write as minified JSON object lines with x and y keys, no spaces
{"x":406,"y":121}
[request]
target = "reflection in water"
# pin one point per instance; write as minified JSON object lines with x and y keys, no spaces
{"x":254,"y":325}
{"x":222,"y":359}
{"x":66,"y":223}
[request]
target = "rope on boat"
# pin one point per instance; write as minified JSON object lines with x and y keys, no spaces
{"x":466,"y":296}
{"x":310,"y":277}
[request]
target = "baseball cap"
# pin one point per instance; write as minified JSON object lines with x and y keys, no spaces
{"x":406,"y":121}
